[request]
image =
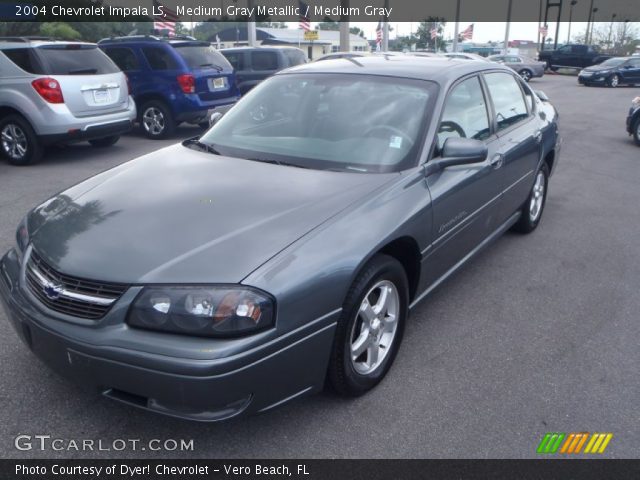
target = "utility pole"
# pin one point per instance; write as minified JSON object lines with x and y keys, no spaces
{"x":593,"y":23}
{"x":540,"y":24}
{"x":506,"y":32}
{"x":586,"y":35}
{"x":457,"y":27}
{"x":344,"y":27}
{"x":251,"y":26}
{"x":573,"y":3}
{"x":385,"y":29}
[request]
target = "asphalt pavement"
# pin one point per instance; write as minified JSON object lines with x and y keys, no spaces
{"x":540,"y":333}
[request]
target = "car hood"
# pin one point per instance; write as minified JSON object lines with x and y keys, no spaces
{"x":183,"y":216}
{"x":597,"y":68}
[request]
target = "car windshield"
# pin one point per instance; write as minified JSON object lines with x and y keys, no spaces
{"x":613,"y":62}
{"x":75,"y":59}
{"x":202,"y":56}
{"x":360,"y":123}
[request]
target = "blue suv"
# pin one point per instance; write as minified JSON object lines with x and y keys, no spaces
{"x":173,"y":80}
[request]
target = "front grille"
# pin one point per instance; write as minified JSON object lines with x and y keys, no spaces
{"x":72,"y":296}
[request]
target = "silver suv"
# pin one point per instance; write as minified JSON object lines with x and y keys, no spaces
{"x":59,"y":92}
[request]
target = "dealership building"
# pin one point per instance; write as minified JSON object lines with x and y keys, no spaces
{"x":328,"y":40}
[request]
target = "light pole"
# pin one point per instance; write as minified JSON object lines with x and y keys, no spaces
{"x":613,"y":15}
{"x":586,"y":35}
{"x":573,"y":2}
{"x":456,"y":32}
{"x":506,"y":32}
{"x":593,"y":22}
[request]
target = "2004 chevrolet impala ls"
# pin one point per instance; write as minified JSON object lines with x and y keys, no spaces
{"x":285,"y":247}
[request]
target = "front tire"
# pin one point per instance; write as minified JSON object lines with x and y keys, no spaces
{"x":614,"y":81}
{"x":104,"y":142}
{"x":18,"y":142}
{"x":157,"y":120}
{"x":370,"y":329}
{"x":531,"y":210}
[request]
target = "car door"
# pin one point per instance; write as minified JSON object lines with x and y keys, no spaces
{"x":631,"y":71}
{"x":465,"y":199}
{"x":519,"y":137}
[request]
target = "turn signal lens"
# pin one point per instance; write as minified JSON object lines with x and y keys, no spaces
{"x":49,"y":89}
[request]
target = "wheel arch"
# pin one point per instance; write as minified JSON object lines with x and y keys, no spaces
{"x":148,"y":97}
{"x":406,"y":251}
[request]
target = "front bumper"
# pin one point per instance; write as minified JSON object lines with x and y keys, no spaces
{"x":591,"y":79}
{"x":249,"y":381}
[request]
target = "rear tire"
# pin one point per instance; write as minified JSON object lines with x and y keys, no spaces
{"x":370,"y":328}
{"x":156,"y":120}
{"x":525,"y":74}
{"x":18,"y":142}
{"x":531,"y":210}
{"x":104,"y":142}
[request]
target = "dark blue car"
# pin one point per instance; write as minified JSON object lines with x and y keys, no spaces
{"x":173,"y":80}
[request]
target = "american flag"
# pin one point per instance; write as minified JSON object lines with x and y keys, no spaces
{"x":165,"y":21}
{"x":434,"y":33}
{"x":305,"y":21}
{"x":467,"y":33}
{"x":379,"y":36}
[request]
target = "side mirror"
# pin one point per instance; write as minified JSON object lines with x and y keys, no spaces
{"x":458,"y":151}
{"x":541,"y":95}
{"x":214,"y":118}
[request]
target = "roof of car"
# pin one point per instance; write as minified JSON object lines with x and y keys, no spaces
{"x":266,"y":47}
{"x":22,"y":42}
{"x":185,"y":40}
{"x":439,"y":69}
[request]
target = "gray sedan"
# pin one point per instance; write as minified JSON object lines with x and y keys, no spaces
{"x":526,"y":67}
{"x":285,"y":247}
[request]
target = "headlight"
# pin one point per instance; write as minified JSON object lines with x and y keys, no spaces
{"x":22,"y":238}
{"x":202,"y":311}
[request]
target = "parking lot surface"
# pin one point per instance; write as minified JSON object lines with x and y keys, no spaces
{"x":538,"y":334}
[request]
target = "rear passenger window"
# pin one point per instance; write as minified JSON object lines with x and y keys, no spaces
{"x":465,"y":113}
{"x":507,"y":99}
{"x":264,"y":60}
{"x":236,"y":59}
{"x":125,"y":58}
{"x":23,"y":58}
{"x":159,"y":58}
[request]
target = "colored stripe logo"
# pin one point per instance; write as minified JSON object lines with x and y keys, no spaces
{"x":573,"y":443}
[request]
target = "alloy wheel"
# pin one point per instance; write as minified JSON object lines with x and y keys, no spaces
{"x":375,"y":327}
{"x":537,"y":197}
{"x":526,"y":76}
{"x":14,"y":141}
{"x":153,"y":121}
{"x":615,"y":81}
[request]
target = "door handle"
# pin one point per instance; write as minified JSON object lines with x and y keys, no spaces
{"x":537,"y":136}
{"x":497,"y":160}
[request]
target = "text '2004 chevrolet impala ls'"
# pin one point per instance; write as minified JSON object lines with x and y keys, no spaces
{"x":285,"y":247}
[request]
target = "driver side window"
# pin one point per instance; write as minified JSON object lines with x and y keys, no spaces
{"x":465,"y":113}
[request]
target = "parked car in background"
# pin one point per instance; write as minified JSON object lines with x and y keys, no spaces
{"x":572,"y":55}
{"x":612,"y":72}
{"x":526,"y":67}
{"x":54,"y":92}
{"x":341,"y":195}
{"x":253,"y":64}
{"x":465,"y":56}
{"x":173,"y":80}
{"x":633,"y":120}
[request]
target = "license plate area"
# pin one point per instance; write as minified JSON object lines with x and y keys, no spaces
{"x":101,"y":96}
{"x":219,"y":83}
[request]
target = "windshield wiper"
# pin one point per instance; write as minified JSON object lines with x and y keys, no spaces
{"x":277,"y":162}
{"x":80,"y":71}
{"x":217,"y":67}
{"x":202,"y":146}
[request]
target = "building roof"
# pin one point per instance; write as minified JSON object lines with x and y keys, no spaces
{"x":284,"y":35}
